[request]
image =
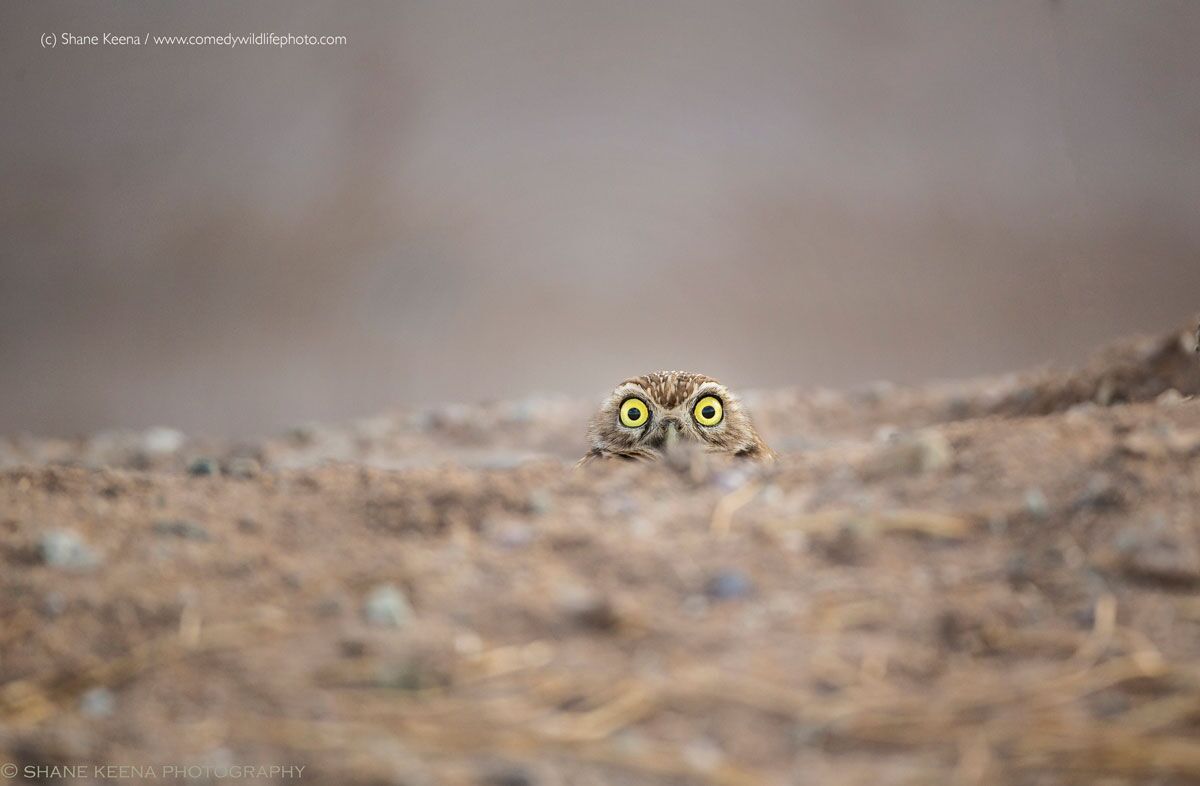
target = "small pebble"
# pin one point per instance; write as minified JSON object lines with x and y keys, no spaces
{"x":731,"y":480}
{"x":387,"y":607}
{"x":303,"y":435}
{"x":1156,"y":555}
{"x":352,"y":648}
{"x":454,"y":416}
{"x":844,"y":546}
{"x":588,"y":609}
{"x":54,"y":604}
{"x":510,"y":534}
{"x":405,"y":675}
{"x":329,"y":606}
{"x":540,"y":502}
{"x":203,"y":467}
{"x":510,"y":775}
{"x":875,"y":392}
{"x":160,"y":440}
{"x":182,"y":528}
{"x":959,"y":408}
{"x":914,"y":454}
{"x":1101,"y":494}
{"x":1109,"y":705}
{"x":728,"y":585}
{"x":1169,"y":398}
{"x":243,"y":468}
{"x":98,"y":702}
{"x":1085,"y":617}
{"x":65,"y":549}
{"x":618,"y":505}
{"x":886,"y":433}
{"x":1036,"y":503}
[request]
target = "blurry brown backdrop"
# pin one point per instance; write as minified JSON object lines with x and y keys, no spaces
{"x":477,"y":200}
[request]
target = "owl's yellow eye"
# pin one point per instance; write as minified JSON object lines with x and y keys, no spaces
{"x":708,"y":411}
{"x":634,"y":413}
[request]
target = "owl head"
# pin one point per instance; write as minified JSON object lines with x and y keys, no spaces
{"x":647,"y":416}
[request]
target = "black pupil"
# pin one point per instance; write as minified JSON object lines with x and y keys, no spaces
{"x":709,"y":411}
{"x":634,"y":413}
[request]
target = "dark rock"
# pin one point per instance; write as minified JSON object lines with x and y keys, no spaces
{"x":182,"y":528}
{"x":1018,"y":571}
{"x":352,"y":648}
{"x":243,"y":468}
{"x":330,"y":606}
{"x":1101,"y":494}
{"x":509,"y":775}
{"x":844,"y":546}
{"x":958,"y":631}
{"x":1156,"y":556}
{"x":203,"y":467}
{"x":728,"y":585}
{"x":589,"y":609}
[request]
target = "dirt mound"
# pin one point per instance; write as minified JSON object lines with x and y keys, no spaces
{"x":1137,"y":370}
{"x":925,"y":589}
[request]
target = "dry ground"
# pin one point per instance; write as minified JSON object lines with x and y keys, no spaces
{"x":993,"y":582}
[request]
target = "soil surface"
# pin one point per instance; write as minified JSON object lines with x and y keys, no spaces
{"x":987,"y":582}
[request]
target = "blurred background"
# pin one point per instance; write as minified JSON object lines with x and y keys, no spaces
{"x":482,"y":200}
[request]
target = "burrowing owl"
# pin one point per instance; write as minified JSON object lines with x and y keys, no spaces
{"x":645,"y":417}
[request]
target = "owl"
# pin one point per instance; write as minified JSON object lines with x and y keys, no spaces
{"x":647,"y":417}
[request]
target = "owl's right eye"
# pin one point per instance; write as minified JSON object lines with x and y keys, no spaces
{"x":634,"y":413}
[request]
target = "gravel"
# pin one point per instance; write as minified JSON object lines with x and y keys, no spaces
{"x":386,"y":606}
{"x":182,"y":528}
{"x":66,"y":549}
{"x":98,"y":702}
{"x":203,"y":467}
{"x":728,"y":585}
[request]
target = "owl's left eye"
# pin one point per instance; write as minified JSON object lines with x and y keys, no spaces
{"x":708,"y":411}
{"x":634,"y":413}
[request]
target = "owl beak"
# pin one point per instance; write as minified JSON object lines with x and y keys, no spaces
{"x":677,"y":450}
{"x":673,"y":447}
{"x":672,"y":437}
